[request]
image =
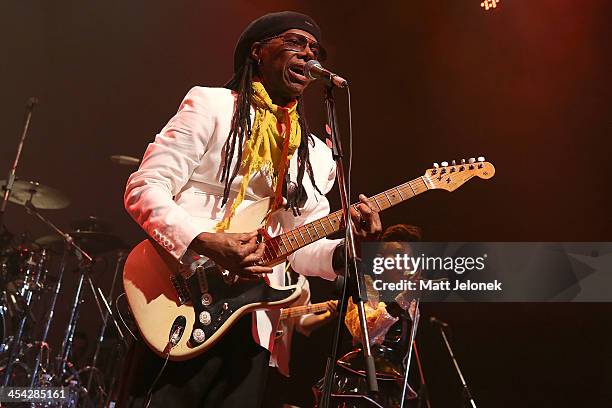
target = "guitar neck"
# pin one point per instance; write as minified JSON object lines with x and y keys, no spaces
{"x":303,"y":310}
{"x":279,"y":247}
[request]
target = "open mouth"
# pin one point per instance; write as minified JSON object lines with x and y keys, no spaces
{"x":296,"y":72}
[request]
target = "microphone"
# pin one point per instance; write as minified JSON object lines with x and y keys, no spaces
{"x":437,"y":321}
{"x":314,"y":70}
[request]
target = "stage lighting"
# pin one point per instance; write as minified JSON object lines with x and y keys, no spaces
{"x":489,"y":4}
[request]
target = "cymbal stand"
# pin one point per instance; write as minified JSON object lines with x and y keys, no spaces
{"x":74,"y":317}
{"x":120,"y":259}
{"x":49,"y":318}
{"x":12,"y":172}
{"x":5,"y":198}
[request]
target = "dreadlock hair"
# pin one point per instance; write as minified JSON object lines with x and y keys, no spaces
{"x":241,"y":129}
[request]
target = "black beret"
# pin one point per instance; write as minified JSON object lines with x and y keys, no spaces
{"x":270,"y":25}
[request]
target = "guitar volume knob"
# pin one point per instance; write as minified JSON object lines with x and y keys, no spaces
{"x":205,"y":318}
{"x":198,"y":335}
{"x":207,"y":299}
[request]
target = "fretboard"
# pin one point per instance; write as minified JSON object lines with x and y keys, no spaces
{"x":283,"y":245}
{"x":303,"y":310}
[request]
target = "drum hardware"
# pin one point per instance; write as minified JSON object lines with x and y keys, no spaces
{"x":5,"y":337}
{"x":121,"y":256}
{"x":66,"y":347}
{"x":26,"y":278}
{"x":79,"y":243}
{"x":94,"y":242}
{"x":48,"y":320}
{"x":9,"y":184}
{"x":33,"y":271}
{"x":21,"y":192}
{"x":85,"y":259}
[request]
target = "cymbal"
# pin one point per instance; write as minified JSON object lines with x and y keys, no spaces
{"x":93,"y":242}
{"x":42,"y":197}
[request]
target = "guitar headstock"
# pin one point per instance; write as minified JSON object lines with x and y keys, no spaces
{"x":452,"y":176}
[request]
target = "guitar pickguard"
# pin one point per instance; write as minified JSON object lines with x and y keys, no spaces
{"x":216,"y":296}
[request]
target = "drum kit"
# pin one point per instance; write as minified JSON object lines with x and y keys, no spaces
{"x":31,"y":280}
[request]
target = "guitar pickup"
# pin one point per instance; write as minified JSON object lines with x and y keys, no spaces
{"x":180,"y":288}
{"x":202,"y":280}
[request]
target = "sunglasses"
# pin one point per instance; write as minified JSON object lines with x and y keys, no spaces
{"x":298,"y":43}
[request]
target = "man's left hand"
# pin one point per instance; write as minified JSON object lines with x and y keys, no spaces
{"x":366,"y":222}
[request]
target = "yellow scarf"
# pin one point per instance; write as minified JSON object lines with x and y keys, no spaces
{"x":268,"y":149}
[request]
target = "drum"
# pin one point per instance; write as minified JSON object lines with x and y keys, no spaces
{"x":23,"y":269}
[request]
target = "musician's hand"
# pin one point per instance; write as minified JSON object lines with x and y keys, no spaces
{"x":314,"y":321}
{"x":332,"y":308}
{"x":366,"y":220}
{"x":237,"y":252}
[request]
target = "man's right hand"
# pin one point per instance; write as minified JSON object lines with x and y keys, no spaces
{"x":237,"y":252}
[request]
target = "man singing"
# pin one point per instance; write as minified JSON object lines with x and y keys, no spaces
{"x":224,"y":149}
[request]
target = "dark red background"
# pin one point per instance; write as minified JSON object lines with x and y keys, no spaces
{"x":526,"y":85}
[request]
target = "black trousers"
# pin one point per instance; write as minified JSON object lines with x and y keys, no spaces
{"x":231,"y":374}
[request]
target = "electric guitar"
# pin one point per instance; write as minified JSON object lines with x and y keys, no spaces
{"x":166,"y":296}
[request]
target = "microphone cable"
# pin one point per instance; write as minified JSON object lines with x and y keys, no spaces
{"x":350,"y":160}
{"x":121,"y":315}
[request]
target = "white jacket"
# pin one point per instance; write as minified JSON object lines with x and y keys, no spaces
{"x":176,"y":193}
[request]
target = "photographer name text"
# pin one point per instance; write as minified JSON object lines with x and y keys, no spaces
{"x":437,"y":286}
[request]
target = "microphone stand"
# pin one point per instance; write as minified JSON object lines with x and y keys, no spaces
{"x":466,"y":390}
{"x":423,"y":392}
{"x":354,"y":283}
{"x":10,"y":180}
{"x":413,"y":331}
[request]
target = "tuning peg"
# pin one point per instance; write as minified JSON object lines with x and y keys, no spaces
{"x":481,"y":159}
{"x":436,"y":165}
{"x":462,"y":161}
{"x":444,"y":164}
{"x":472,"y":160}
{"x":453,"y":163}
